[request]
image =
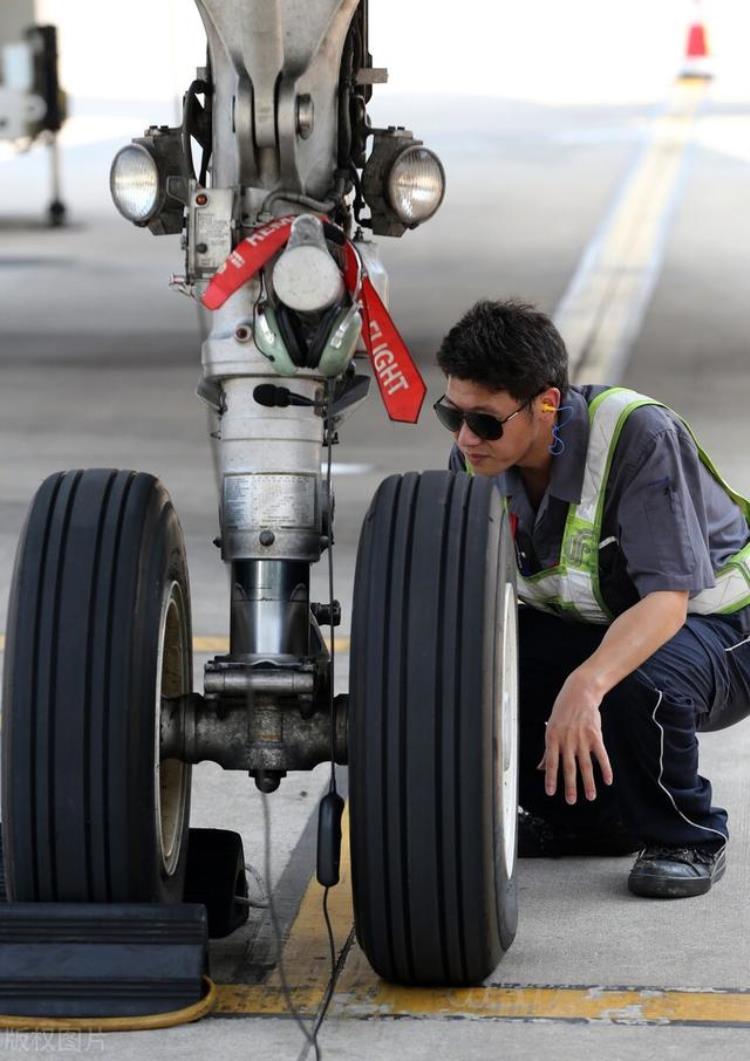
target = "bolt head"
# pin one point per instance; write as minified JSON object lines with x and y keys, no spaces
{"x":266,"y":537}
{"x":305,"y":116}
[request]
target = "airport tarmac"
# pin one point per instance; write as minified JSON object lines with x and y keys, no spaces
{"x":99,"y":363}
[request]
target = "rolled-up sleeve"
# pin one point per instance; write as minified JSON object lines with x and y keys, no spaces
{"x":661,"y":515}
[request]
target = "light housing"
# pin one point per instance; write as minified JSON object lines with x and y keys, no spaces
{"x":149,"y":180}
{"x":134,"y":183}
{"x":415,"y":185}
{"x":403,"y":182}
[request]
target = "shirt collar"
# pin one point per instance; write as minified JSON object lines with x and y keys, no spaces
{"x":568,"y":467}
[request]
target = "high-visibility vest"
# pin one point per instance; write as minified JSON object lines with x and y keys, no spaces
{"x":573,"y":586}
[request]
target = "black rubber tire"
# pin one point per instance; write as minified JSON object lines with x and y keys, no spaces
{"x":434,"y":900}
{"x":3,"y":893}
{"x":216,"y":877}
{"x":100,"y":571}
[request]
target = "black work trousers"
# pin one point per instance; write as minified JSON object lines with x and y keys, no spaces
{"x":699,"y":680}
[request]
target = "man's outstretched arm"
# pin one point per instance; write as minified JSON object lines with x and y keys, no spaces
{"x":574,"y":729}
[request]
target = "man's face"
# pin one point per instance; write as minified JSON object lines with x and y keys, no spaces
{"x":521,"y":435}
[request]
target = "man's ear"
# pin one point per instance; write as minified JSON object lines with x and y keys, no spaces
{"x":549,"y":400}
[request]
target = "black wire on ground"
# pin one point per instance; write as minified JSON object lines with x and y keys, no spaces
{"x":326,"y":1000}
{"x":310,"y":1036}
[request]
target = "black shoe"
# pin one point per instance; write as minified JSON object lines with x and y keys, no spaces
{"x":662,"y":871}
{"x":538,"y":838}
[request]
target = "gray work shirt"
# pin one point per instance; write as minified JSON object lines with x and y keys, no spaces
{"x":671,"y":523}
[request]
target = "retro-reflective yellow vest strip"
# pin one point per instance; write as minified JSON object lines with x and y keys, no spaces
{"x":572,"y":586}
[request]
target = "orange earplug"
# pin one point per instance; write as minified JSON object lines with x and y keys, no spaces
{"x":547,"y":407}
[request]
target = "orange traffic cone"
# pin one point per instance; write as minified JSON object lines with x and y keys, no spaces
{"x":697,"y":62}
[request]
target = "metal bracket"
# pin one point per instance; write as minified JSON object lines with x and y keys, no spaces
{"x":210,"y":227}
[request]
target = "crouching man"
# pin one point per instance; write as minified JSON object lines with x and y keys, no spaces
{"x":633,"y":563}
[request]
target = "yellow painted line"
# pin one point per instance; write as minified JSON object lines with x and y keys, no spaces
{"x":361,"y":994}
{"x":210,"y":644}
{"x":614,"y":1005}
{"x":602,"y":310}
{"x":307,"y":961}
{"x":221,"y":644}
{"x":239,"y":1000}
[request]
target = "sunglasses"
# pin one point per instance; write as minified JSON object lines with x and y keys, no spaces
{"x":484,"y":425}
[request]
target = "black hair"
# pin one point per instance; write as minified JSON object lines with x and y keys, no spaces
{"x":509,"y":346}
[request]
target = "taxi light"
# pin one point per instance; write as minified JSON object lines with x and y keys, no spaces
{"x":134,"y":183}
{"x":402,"y":183}
{"x":416,"y":185}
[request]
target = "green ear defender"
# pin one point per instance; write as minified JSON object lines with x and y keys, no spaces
{"x":342,"y":339}
{"x":338,"y":348}
{"x":269,"y":341}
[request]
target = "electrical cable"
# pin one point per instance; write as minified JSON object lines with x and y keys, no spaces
{"x":188,"y":128}
{"x":330,"y":394}
{"x":558,"y":445}
{"x":309,"y":1036}
{"x":326,"y":1000}
{"x":263,"y":901}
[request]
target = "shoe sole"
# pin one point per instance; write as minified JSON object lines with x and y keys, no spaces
{"x":658,"y":886}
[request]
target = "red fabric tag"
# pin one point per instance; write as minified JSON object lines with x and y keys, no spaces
{"x":513,"y":524}
{"x":401,"y":386}
{"x":245,"y":260}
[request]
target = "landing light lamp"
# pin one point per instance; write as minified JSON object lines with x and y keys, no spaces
{"x":403,"y":182}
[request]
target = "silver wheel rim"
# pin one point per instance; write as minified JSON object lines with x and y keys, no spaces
{"x":508,"y":676}
{"x":171,"y":776}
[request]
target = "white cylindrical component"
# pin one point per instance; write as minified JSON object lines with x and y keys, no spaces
{"x":306,"y":278}
{"x":269,"y":462}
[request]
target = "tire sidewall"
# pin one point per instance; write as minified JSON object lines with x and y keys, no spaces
{"x":163,"y":562}
{"x":506,"y":889}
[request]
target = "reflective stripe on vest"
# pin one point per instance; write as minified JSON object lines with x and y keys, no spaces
{"x":573,"y":586}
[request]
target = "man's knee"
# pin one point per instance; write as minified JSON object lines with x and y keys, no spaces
{"x":636,"y":712}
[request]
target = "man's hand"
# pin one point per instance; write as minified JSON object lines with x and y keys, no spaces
{"x":574,"y":737}
{"x":574,"y":729}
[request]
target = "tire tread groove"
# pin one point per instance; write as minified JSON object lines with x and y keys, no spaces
{"x":33,"y":765}
{"x":88,"y":684}
{"x":458,"y":645}
{"x":107,"y":690}
{"x":439,"y":712}
{"x":387,"y":842}
{"x":52,"y":698}
{"x":403,"y":707}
